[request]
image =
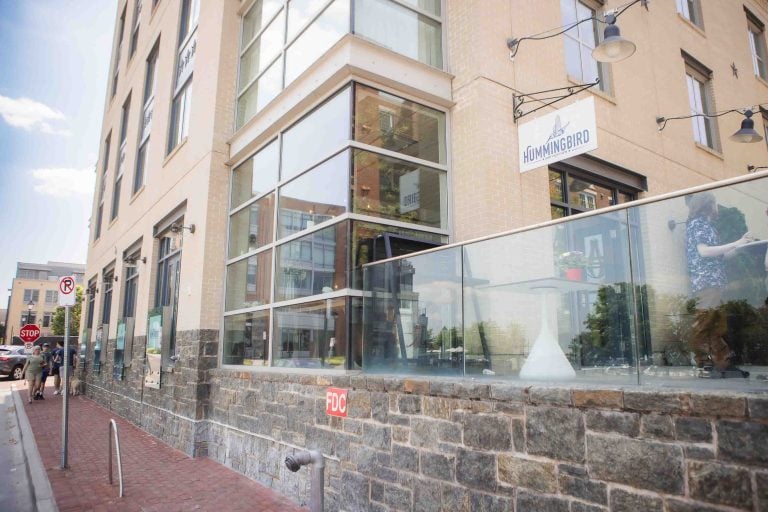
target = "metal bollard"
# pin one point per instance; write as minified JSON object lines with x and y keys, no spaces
{"x":314,"y":457}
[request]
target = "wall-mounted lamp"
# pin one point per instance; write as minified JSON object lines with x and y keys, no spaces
{"x":672,"y":223}
{"x":747,"y":132}
{"x":613,"y":48}
{"x":130,"y":261}
{"x":178,"y":228}
{"x":752,"y":168}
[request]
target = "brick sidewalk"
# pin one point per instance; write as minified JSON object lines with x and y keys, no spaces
{"x":155,"y":476}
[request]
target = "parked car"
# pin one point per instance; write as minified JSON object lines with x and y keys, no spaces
{"x":12,"y":359}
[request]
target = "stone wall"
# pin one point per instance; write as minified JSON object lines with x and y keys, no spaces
{"x":421,"y":445}
{"x":459,"y":445}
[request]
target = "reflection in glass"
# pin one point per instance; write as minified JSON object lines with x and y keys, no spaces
{"x":261,"y":12}
{"x":261,"y":52}
{"x":331,"y":26}
{"x":251,"y":227}
{"x":256,"y":175}
{"x":399,"y":125}
{"x":400,"y":29}
{"x":312,"y":264}
{"x":376,"y":242}
{"x":246,"y":339}
{"x":315,"y":197}
{"x":394,"y":189}
{"x":311,"y":335}
{"x":248,"y":282}
{"x":317,"y":135}
{"x":431,"y":6}
{"x":414,"y":325}
{"x":260,"y":93}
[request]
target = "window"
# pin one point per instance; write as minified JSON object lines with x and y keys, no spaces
{"x":130,"y":284}
{"x":182,"y":93}
{"x":572,"y":191}
{"x":108,"y":282}
{"x":116,"y":68}
{"x":756,"y":34}
{"x":91,"y":291}
{"x":579,"y":43}
{"x":51,"y":296}
{"x":28,"y":318}
{"x":31,"y":295}
{"x":135,"y":31}
{"x":120,"y":159}
{"x":47,"y":318}
{"x":690,"y":10}
{"x":146,"y":120}
{"x":102,"y":187}
{"x":167,"y":281}
{"x":765,"y":127}
{"x":698,"y":82}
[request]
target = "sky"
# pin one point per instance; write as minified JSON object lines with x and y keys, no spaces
{"x":54,"y":61}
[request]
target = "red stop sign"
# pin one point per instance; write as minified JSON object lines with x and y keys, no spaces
{"x":29,"y":333}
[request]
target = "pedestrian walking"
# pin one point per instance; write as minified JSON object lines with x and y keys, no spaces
{"x":33,"y":372}
{"x":47,"y":356}
{"x":58,"y":359}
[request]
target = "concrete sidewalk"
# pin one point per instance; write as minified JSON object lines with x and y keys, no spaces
{"x":155,"y":476}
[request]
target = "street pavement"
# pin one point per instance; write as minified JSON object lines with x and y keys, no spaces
{"x":156,"y":477}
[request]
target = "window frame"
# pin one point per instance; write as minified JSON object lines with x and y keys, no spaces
{"x":121,"y":156}
{"x":757,"y":45}
{"x":690,"y":10}
{"x":145,"y":125}
{"x":603,"y":68}
{"x":567,"y":171}
{"x":701,"y":103}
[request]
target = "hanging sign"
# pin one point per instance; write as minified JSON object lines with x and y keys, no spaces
{"x":567,"y":132}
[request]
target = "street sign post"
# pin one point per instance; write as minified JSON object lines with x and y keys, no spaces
{"x":66,"y":300}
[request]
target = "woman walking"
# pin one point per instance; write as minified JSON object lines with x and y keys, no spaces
{"x":33,"y":372}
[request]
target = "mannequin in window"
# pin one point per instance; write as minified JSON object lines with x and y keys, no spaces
{"x":706,"y":269}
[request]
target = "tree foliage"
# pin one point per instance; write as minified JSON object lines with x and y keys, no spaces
{"x":57,"y":324}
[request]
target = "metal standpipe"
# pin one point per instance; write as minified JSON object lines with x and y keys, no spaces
{"x":317,"y":492}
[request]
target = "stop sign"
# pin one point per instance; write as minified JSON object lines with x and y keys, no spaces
{"x":29,"y":333}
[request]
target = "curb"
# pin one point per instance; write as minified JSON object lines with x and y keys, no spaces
{"x":41,"y":486}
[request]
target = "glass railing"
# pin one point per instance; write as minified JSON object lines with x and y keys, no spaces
{"x":669,"y":291}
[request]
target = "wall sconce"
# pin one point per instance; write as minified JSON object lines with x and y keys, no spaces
{"x":130,"y":261}
{"x":752,"y":168}
{"x":672,"y":223}
{"x":613,"y":48}
{"x":746,"y":134}
{"x":178,"y":228}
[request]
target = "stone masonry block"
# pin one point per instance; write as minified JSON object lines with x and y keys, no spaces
{"x":624,"y":423}
{"x":720,"y":484}
{"x":476,"y":469}
{"x":584,"y":489}
{"x":624,"y":501}
{"x":438,"y":466}
{"x":655,"y":401}
{"x":608,"y":399}
{"x":658,"y":426}
{"x":549,"y":396}
{"x":555,"y":432}
{"x":742,"y":441}
{"x":531,"y":474}
{"x":718,"y":405}
{"x":758,"y":408}
{"x":487,"y":432}
{"x":539,"y":503}
{"x":405,"y":458}
{"x":693,"y":430}
{"x":642,"y":464}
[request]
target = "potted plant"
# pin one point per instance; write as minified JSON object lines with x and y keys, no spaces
{"x":572,"y":265}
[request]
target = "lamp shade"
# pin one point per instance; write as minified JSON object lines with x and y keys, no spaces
{"x":747,"y":132}
{"x":614,"y":47}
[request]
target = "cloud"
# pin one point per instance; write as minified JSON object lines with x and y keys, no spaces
{"x":31,"y":115}
{"x":64,"y":182}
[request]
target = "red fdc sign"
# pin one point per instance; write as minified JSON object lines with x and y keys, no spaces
{"x":29,"y":333}
{"x":336,"y":402}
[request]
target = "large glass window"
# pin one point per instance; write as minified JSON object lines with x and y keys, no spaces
{"x":248,"y":282}
{"x":182,"y":92}
{"x":577,"y":192}
{"x":246,"y":339}
{"x":102,"y":188}
{"x":399,"y":190}
{"x":257,"y":175}
{"x":690,"y":10}
{"x":294,"y":34}
{"x":108,"y":282}
{"x":146,"y":120}
{"x":31,"y":295}
{"x":312,"y":264}
{"x":167,"y":283}
{"x":316,"y":39}
{"x":579,"y":43}
{"x":91,"y":292}
{"x":251,"y":227}
{"x":405,"y":31}
{"x":389,"y":122}
{"x":315,"y":197}
{"x":120,"y":159}
{"x":311,"y":335}
{"x":316,"y":136}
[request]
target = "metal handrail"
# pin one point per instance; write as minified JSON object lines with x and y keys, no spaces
{"x":113,"y":426}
